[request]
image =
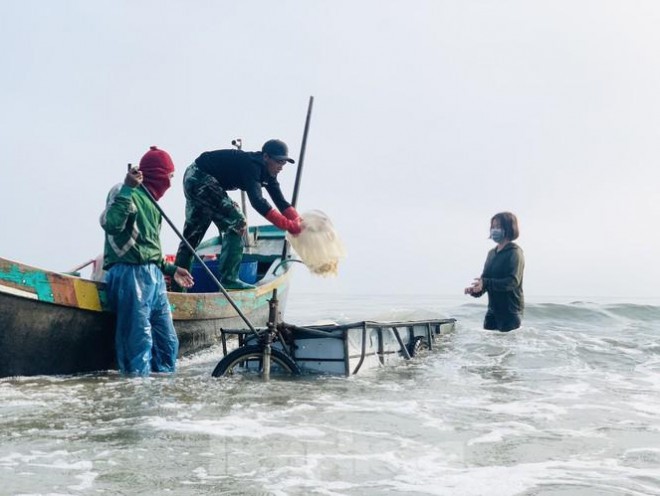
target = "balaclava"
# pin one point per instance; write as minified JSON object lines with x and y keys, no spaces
{"x":156,"y":166}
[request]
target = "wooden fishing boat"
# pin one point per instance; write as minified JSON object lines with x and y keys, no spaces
{"x":56,"y":323}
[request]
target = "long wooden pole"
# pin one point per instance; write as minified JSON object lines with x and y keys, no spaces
{"x":303,"y":148}
{"x":199,"y":259}
{"x":301,"y":161}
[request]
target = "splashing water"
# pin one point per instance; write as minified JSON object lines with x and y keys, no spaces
{"x":567,"y":405}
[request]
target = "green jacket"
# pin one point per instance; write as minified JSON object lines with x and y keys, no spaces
{"x":503,"y":280}
{"x":132,"y":229}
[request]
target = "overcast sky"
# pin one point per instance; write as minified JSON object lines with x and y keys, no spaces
{"x":429,"y":117}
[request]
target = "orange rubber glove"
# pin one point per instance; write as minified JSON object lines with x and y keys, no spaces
{"x":277,"y":219}
{"x":291,"y":213}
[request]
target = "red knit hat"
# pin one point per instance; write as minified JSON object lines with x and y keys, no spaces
{"x":156,"y":166}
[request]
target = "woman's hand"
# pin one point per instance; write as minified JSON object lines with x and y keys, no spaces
{"x":476,"y":287}
{"x":183,"y":278}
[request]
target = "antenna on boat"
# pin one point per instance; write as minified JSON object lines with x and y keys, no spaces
{"x":238,"y":143}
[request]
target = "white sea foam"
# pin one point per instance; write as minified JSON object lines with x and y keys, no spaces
{"x":568,"y":404}
{"x":234,"y":427}
{"x":533,"y":409}
{"x":61,"y":464}
{"x":86,"y":481}
{"x":504,"y":431}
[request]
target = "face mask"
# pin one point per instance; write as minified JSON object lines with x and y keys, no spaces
{"x":497,"y":234}
{"x":157,"y":183}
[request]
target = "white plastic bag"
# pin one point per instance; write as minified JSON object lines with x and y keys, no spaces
{"x":318,"y":245}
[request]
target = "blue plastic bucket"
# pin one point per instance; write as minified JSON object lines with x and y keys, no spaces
{"x":247,"y":272}
{"x":203,"y":282}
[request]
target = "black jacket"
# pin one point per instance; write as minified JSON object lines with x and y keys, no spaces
{"x":503,"y":280}
{"x":236,"y":169}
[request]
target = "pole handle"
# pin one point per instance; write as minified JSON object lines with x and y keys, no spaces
{"x":199,"y":259}
{"x":301,"y":161}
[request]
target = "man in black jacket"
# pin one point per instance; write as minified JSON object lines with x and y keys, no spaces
{"x":206,"y":183}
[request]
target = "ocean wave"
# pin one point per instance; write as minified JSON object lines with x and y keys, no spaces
{"x":575,"y":312}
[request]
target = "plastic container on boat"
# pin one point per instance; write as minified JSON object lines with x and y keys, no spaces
{"x":204,"y":284}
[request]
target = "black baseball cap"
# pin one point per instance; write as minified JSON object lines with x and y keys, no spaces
{"x":277,"y":150}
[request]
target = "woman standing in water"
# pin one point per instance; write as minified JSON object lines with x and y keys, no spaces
{"x":502,"y":277}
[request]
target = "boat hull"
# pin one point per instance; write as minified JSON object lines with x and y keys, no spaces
{"x":54,"y":323}
{"x":41,"y":338}
{"x":38,"y":338}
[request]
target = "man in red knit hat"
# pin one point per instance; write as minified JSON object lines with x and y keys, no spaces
{"x":145,"y":338}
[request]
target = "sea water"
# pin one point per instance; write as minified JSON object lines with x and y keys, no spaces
{"x":567,"y":405}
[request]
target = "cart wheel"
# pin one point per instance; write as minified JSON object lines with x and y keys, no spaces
{"x":248,"y":359}
{"x":417,"y":346}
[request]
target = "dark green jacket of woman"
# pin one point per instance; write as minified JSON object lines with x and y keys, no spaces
{"x":503,"y":281}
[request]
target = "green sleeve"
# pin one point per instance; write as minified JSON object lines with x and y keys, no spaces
{"x":489,"y":257}
{"x":167,"y":268}
{"x":514,"y":274}
{"x":119,"y":208}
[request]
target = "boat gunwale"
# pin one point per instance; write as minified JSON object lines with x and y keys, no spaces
{"x":71,"y":285}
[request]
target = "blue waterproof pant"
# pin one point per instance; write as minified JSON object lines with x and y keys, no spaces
{"x":145,"y":339}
